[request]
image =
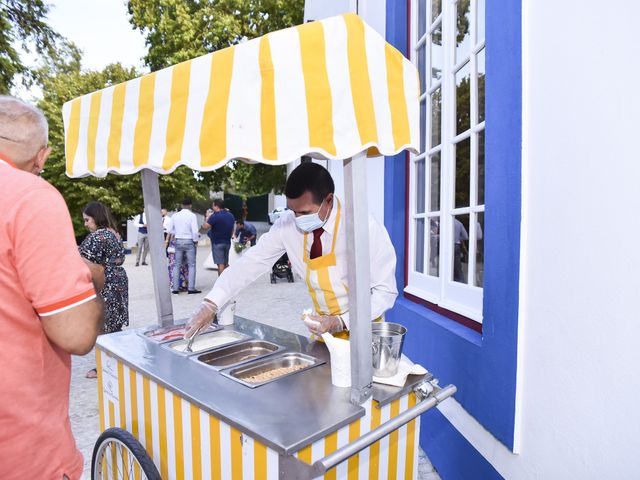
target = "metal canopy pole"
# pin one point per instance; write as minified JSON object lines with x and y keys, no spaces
{"x":151,"y":194}
{"x":358,"y":276}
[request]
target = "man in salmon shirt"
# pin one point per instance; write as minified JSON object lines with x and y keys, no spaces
{"x":48,"y":306}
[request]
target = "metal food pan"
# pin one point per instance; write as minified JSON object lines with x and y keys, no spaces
{"x":236,"y":354}
{"x":260,"y":368}
{"x":170,"y":333}
{"x":207,"y":341}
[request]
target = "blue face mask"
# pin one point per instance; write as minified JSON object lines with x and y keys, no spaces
{"x":310,"y":222}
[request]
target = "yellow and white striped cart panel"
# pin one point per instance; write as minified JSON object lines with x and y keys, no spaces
{"x":186,"y":442}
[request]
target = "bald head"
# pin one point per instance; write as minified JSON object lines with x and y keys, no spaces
{"x":23,"y":133}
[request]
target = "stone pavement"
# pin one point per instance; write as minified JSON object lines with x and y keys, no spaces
{"x":279,"y":305}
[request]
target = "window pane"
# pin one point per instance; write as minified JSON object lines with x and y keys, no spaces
{"x":481,"y":21}
{"x":423,"y":124}
{"x":436,"y":118}
{"x":422,"y":17}
{"x":481,"y":72}
{"x":463,"y":98}
{"x":421,"y":54}
{"x":460,"y":252}
{"x":434,"y":247}
{"x":436,"y":54}
{"x":419,"y":266}
{"x":463,"y":156}
{"x":436,"y":8}
{"x":420,"y":181}
{"x":463,"y":37}
{"x":481,"y":168}
{"x":434,"y":184}
{"x":479,"y":250}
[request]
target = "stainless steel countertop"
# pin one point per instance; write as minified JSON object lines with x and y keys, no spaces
{"x":287,"y":414}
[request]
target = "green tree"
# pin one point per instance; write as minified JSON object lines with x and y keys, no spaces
{"x":62,"y":82}
{"x":178,"y":30}
{"x":22,"y":25}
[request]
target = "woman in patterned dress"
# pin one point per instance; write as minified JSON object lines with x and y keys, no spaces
{"x":103,"y":248}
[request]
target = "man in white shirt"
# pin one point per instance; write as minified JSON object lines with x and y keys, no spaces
{"x":184,"y":228}
{"x":312,"y":233}
{"x":460,"y":236}
{"x":143,"y":239}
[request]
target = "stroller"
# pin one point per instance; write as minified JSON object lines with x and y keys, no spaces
{"x":282,"y":269}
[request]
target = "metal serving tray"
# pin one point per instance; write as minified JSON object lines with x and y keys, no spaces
{"x":287,"y":360}
{"x":207,"y":341}
{"x":243,"y":352}
{"x":170,"y":333}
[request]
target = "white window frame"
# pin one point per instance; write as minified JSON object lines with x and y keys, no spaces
{"x":464,"y":299}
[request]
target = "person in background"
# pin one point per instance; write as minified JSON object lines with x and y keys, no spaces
{"x":220,"y":225}
{"x":170,"y":246}
{"x":49,"y":309}
{"x":166,"y":222}
{"x":103,"y":249}
{"x":313,"y":235}
{"x":460,"y":237}
{"x":184,"y":229}
{"x":143,"y":239}
{"x":246,"y":232}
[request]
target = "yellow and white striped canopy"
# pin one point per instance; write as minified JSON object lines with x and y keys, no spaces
{"x":330,"y":89}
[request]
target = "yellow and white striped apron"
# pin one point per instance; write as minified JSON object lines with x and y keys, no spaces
{"x":329,"y":293}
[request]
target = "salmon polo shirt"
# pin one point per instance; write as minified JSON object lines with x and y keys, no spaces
{"x":41,"y":273}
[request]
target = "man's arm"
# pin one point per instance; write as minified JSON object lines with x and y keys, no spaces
{"x":75,"y":330}
{"x":97,"y":274}
{"x":208,"y":223}
{"x":195,"y":235}
{"x":54,"y":276}
{"x":256,"y":261}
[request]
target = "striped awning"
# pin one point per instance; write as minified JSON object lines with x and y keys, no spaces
{"x":330,"y":89}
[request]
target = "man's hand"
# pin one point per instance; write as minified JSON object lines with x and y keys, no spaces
{"x":201,"y":318}
{"x":319,"y":324}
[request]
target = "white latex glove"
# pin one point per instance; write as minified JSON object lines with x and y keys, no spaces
{"x":201,"y":318}
{"x":319,"y":324}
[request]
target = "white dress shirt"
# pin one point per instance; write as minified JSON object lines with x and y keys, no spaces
{"x":284,"y":236}
{"x":184,"y":225}
{"x":166,"y":224}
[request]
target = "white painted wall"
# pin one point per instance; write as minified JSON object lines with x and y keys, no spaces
{"x":374,"y":13}
{"x":579,"y":332}
{"x":579,"y":321}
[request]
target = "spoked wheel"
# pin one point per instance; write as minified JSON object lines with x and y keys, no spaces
{"x":118,"y":455}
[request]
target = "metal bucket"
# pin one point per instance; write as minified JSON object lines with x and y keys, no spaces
{"x":387,"y":341}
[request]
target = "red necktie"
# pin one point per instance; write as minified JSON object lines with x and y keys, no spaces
{"x":316,"y":246}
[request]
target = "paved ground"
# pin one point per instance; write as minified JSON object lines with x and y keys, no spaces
{"x":278,"y":304}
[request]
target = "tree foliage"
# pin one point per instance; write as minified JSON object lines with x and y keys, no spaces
{"x":63,"y":81}
{"x":22,"y":25}
{"x":178,"y":30}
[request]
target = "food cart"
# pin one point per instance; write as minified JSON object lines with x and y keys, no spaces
{"x":331,"y":89}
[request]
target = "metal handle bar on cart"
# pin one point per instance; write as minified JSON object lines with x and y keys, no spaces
{"x":430,"y":394}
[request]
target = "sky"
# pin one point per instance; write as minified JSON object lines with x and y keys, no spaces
{"x":101,"y":29}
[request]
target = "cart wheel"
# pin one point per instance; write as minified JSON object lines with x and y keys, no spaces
{"x":118,"y":454}
{"x":273,"y":278}
{"x":290,"y":278}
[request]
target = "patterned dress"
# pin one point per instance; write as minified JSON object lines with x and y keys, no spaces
{"x":105,"y":248}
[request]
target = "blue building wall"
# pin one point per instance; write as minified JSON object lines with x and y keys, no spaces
{"x":482,"y":366}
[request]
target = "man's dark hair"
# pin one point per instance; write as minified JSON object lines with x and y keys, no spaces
{"x":240,"y":222}
{"x":101,"y":215}
{"x":218,"y":203}
{"x":309,"y":177}
{"x":187,"y":201}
